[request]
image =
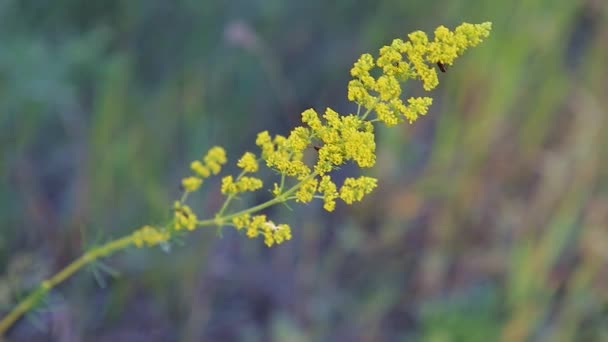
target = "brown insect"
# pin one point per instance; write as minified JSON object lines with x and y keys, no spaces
{"x":183,"y":212}
{"x":441,"y":66}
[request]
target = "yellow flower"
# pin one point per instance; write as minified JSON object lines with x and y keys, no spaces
{"x":361,"y":70}
{"x":215,"y":158}
{"x":330,"y":193}
{"x":376,"y":87}
{"x":387,"y":114}
{"x":392,"y":63}
{"x":276,"y":189}
{"x":311,"y":118}
{"x":149,"y":236}
{"x":275,"y":233}
{"x":358,"y":93}
{"x":241,"y":221}
{"x":264,"y":141}
{"x":183,"y":217}
{"x":248,"y":162}
{"x":402,"y":60}
{"x":354,"y":189}
{"x":249,"y":184}
{"x":417,"y":106}
{"x":388,"y":87}
{"x":282,"y":233}
{"x":298,"y":139}
{"x":228,"y":186}
{"x":191,"y":184}
{"x":254,"y":225}
{"x":307,"y":191}
{"x":329,"y":156}
{"x":201,"y":170}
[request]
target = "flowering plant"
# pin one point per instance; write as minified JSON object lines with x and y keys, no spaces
{"x":304,"y":159}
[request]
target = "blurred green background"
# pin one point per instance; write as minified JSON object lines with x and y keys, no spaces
{"x":491,"y":217}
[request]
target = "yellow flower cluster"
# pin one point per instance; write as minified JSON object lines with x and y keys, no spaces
{"x":354,"y":189}
{"x":383,"y":94}
{"x":258,"y":224}
{"x":330,"y":193}
{"x":149,"y":236}
{"x":336,"y":140}
{"x":285,"y":154}
{"x":248,"y":162}
{"x":211,"y":164}
{"x":243,"y":184}
{"x":343,"y":138}
{"x":183,"y":217}
{"x":333,"y":139}
{"x":307,"y":191}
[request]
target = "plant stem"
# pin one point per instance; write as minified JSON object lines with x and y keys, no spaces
{"x":281,"y":198}
{"x":32,"y":299}
{"x":112,"y":247}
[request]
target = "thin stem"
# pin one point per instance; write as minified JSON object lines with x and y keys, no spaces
{"x":114,"y":246}
{"x":32,"y":299}
{"x":281,"y":198}
{"x":184,"y":197}
{"x":282,"y":181}
{"x":229,"y":198}
{"x":369,"y":110}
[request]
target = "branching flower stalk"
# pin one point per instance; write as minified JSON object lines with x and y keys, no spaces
{"x":305,"y":158}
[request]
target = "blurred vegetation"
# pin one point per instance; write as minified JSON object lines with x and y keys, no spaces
{"x":490,"y":221}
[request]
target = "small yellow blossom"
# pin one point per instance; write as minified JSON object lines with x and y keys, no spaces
{"x":416,"y":106}
{"x":264,"y":141}
{"x":330,"y":193}
{"x":332,"y":117}
{"x":275,"y":233}
{"x":307,"y":191}
{"x":149,"y":236}
{"x":330,"y":155}
{"x":276,"y":189}
{"x":228,"y":186}
{"x":200,"y":169}
{"x":243,"y":184}
{"x":354,"y":189}
{"x":249,"y":184}
{"x":311,"y":118}
{"x":248,"y":162}
{"x":241,"y":221}
{"x":358,"y":93}
{"x":215,"y":158}
{"x":388,"y":87}
{"x":183,"y":217}
{"x":361,"y":70}
{"x":191,"y":184}
{"x":387,"y":114}
{"x":253,"y":228}
{"x":299,"y":139}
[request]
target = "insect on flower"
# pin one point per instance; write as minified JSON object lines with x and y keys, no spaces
{"x":182,"y":212}
{"x":441,"y":66}
{"x":315,"y":147}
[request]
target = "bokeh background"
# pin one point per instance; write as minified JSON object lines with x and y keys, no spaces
{"x":491,"y":217}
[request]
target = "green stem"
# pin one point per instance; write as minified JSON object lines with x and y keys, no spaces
{"x":369,"y":110}
{"x":279,"y":199}
{"x":230,"y":197}
{"x":33,"y":298}
{"x":112,"y":247}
